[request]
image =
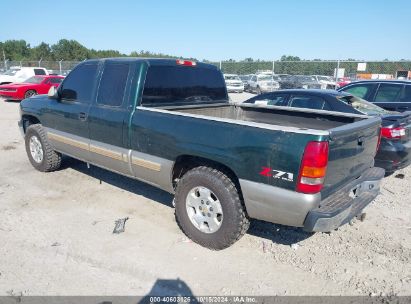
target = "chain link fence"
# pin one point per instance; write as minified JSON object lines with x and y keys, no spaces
{"x":351,"y":69}
{"x":56,"y":67}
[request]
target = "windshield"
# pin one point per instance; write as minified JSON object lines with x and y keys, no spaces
{"x":34,"y":79}
{"x":11,"y":72}
{"x":231,"y":77}
{"x":172,"y":85}
{"x":265,"y":78}
{"x":305,"y":78}
{"x":363,"y":105}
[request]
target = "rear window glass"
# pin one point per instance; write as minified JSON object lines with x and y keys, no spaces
{"x":39,"y":72}
{"x":173,"y":85}
{"x":388,"y":92}
{"x":309,"y":102}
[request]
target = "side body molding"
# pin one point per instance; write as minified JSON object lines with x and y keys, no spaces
{"x":153,"y":170}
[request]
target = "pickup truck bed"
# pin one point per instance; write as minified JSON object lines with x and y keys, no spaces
{"x":276,"y":116}
{"x":169,"y":123}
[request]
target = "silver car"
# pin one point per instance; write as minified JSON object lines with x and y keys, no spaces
{"x":263,"y":83}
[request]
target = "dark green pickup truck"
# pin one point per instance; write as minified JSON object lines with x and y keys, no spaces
{"x":169,"y":123}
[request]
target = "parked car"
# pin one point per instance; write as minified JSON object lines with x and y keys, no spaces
{"x":32,"y":86}
{"x":262,"y":83}
{"x":393,"y":95}
{"x":343,"y":81}
{"x":395,"y":148}
{"x":245,"y":79}
{"x":18,"y":74}
{"x":169,"y":123}
{"x":299,"y":82}
{"x":327,"y":82}
{"x":233,"y":83}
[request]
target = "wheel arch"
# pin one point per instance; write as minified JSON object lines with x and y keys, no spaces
{"x":185,"y":163}
{"x":29,"y":120}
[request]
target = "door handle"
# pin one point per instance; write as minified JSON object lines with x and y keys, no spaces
{"x":82,"y":116}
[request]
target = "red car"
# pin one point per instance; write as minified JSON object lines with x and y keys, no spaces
{"x":39,"y":84}
{"x":343,"y":81}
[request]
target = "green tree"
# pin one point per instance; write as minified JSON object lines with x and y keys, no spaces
{"x":70,"y":50}
{"x":16,"y":49}
{"x":42,"y":51}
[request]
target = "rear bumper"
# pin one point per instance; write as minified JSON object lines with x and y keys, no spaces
{"x":291,"y":208}
{"x":346,"y":203}
{"x":393,"y":156}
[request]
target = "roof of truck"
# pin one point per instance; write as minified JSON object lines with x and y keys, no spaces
{"x":157,"y":61}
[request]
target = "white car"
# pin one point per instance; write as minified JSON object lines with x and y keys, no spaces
{"x":20,"y":74}
{"x":233,"y":83}
{"x":326,"y":82}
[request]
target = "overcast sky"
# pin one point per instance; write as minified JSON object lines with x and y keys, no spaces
{"x":220,"y":30}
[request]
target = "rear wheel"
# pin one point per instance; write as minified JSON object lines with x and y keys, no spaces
{"x":30,"y":93}
{"x":209,"y":209}
{"x":39,"y":150}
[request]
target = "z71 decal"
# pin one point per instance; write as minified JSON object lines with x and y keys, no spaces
{"x":287,"y":176}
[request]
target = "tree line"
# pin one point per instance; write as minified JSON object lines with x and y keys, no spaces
{"x":64,"y":49}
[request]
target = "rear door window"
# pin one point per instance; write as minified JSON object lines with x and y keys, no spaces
{"x":388,"y":92}
{"x":360,"y":90}
{"x":309,"y":102}
{"x":113,"y":84}
{"x":174,"y":85}
{"x":79,"y":84}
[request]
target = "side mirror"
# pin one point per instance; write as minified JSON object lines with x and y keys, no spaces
{"x":53,"y":93}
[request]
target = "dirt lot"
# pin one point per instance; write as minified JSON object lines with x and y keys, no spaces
{"x":56,"y":239}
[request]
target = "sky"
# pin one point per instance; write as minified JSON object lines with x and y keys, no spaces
{"x":219,"y":29}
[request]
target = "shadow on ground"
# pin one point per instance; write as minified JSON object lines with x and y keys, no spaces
{"x":276,"y":233}
{"x":120,"y":181}
{"x":169,"y":288}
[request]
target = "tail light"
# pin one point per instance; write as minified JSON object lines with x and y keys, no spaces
{"x":186,"y":62}
{"x":390,"y":133}
{"x":313,"y":167}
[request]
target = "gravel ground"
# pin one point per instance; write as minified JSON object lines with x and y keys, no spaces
{"x":56,"y":239}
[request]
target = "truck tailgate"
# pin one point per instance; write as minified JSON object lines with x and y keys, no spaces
{"x":352,"y":149}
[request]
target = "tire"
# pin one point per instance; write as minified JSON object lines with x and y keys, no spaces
{"x":37,"y":144}
{"x":234,"y":222}
{"x":30,"y":93}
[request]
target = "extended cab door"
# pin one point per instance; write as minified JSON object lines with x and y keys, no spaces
{"x":67,"y":118}
{"x":109,"y":116}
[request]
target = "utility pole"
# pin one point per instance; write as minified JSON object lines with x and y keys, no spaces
{"x":5,"y":62}
{"x":273,"y":66}
{"x":60,"y":65}
{"x":40,"y":62}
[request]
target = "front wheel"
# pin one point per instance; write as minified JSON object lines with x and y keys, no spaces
{"x":209,"y":209}
{"x":39,"y":150}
